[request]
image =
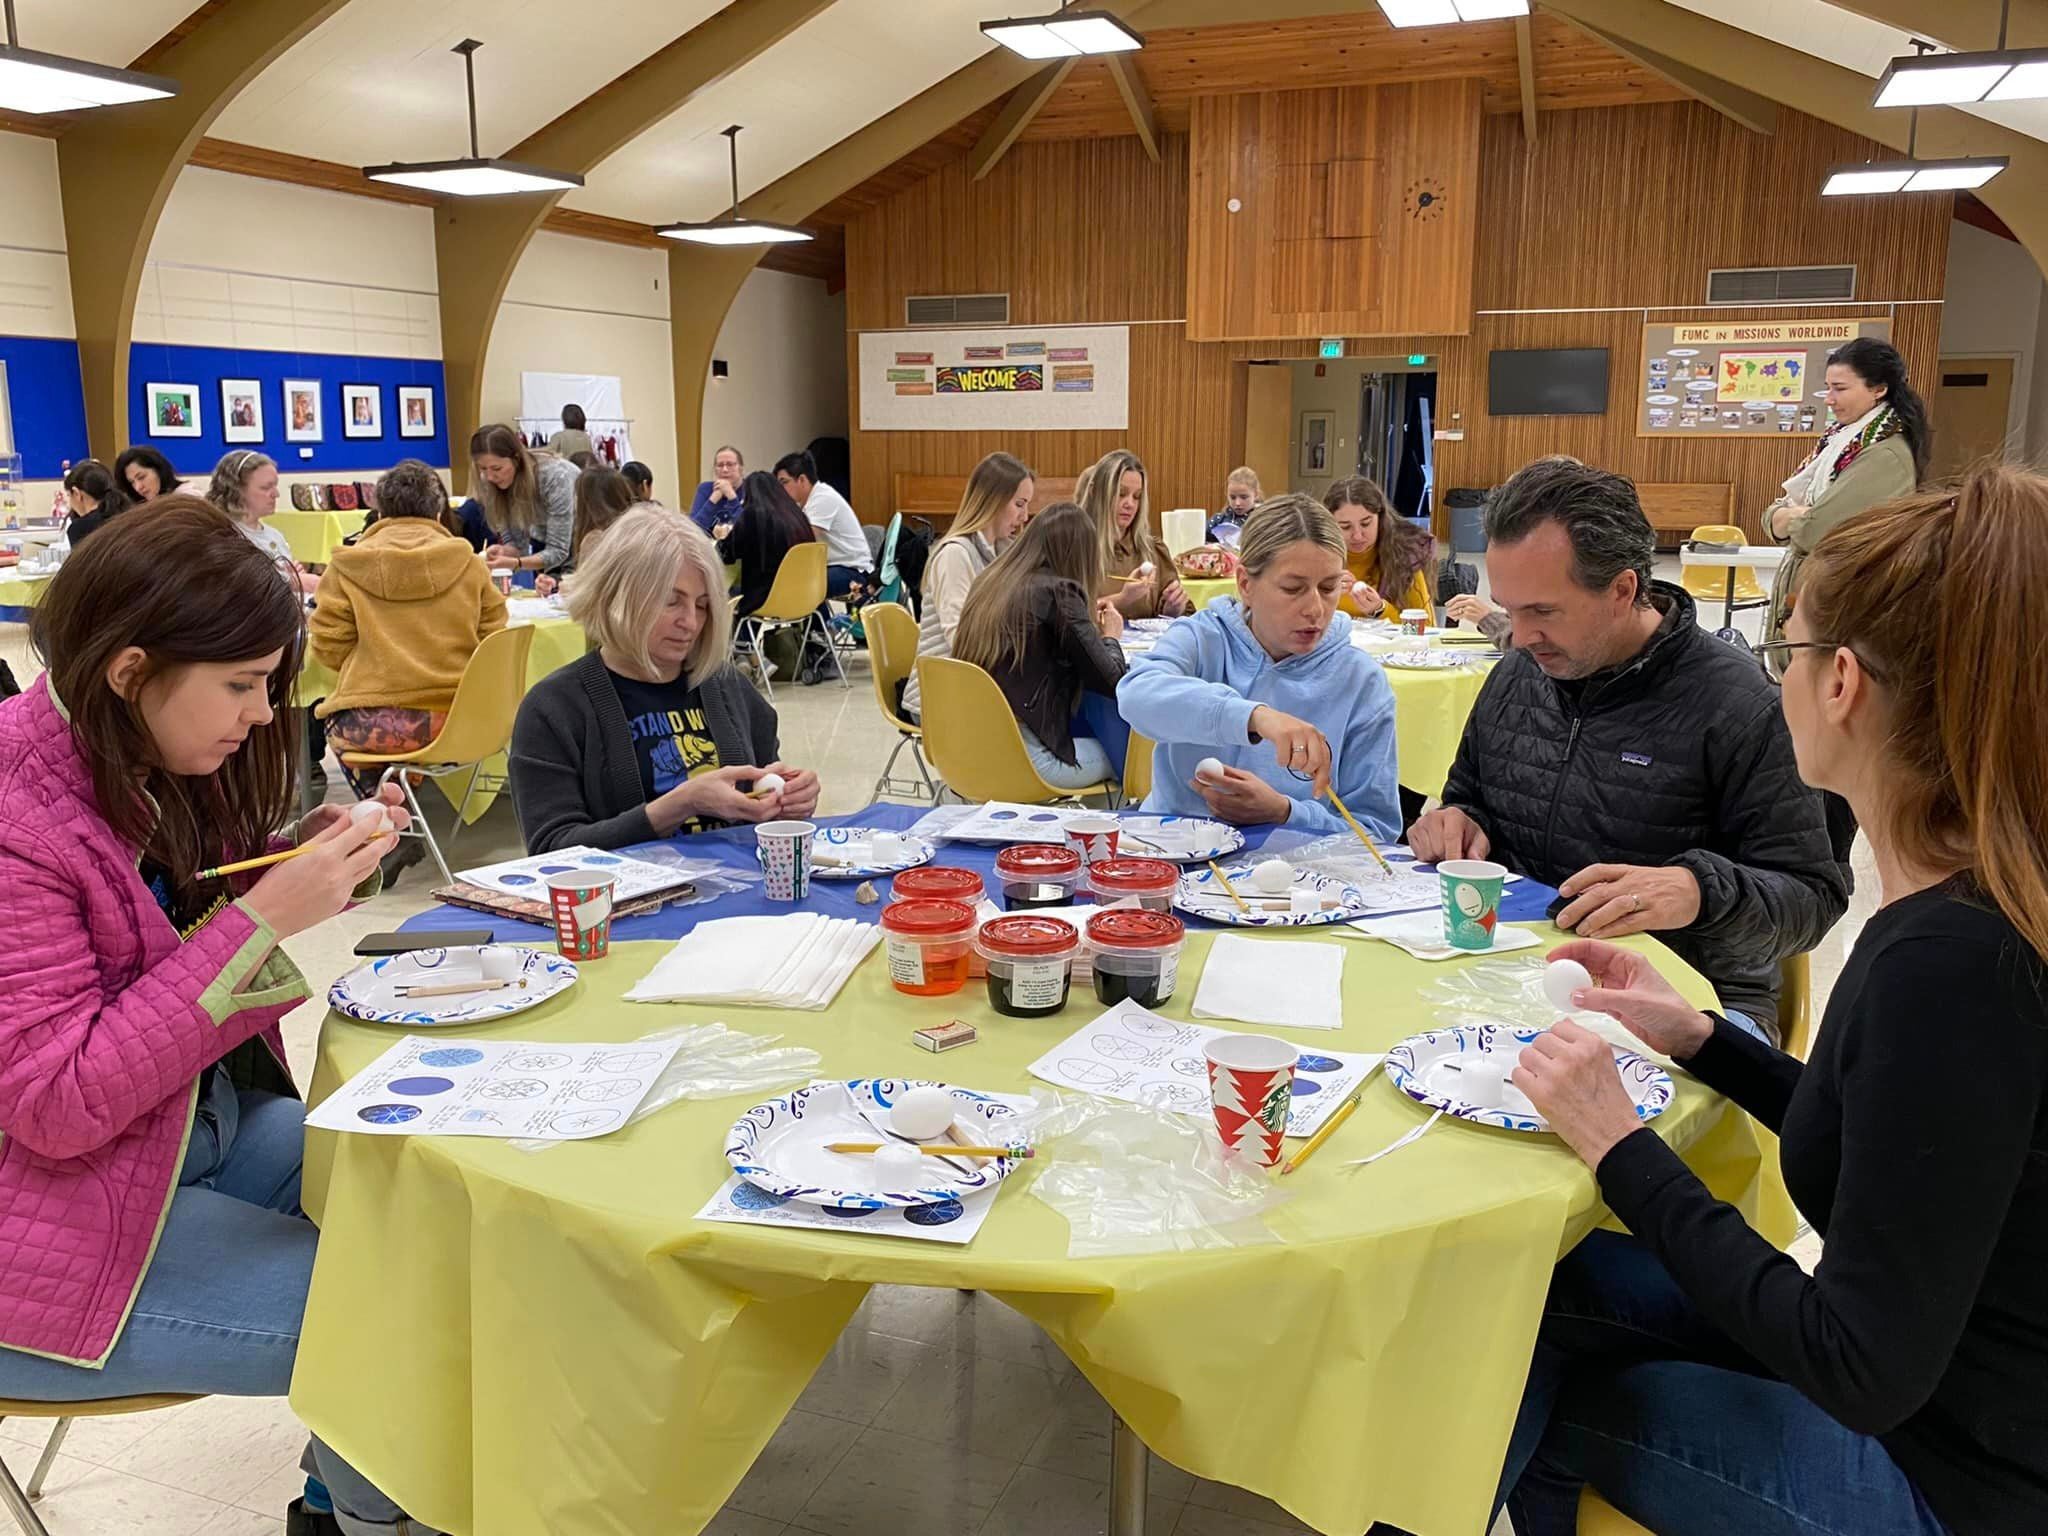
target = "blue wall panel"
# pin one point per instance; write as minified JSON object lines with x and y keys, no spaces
{"x":48,"y":401}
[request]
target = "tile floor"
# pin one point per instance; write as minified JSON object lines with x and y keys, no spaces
{"x":854,"y":1458}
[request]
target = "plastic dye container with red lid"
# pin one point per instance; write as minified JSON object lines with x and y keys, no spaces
{"x":1030,"y":963}
{"x":1136,"y":954}
{"x":928,"y":943}
{"x":1151,"y":881}
{"x":1037,"y":875}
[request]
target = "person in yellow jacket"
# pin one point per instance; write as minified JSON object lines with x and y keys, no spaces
{"x":1386,"y":555}
{"x":400,"y":613}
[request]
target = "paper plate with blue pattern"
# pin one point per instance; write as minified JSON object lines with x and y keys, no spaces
{"x":1201,"y":895}
{"x":373,"y":992}
{"x":780,"y":1146}
{"x":1431,"y":1067}
{"x":1177,"y":839}
{"x":850,"y":853}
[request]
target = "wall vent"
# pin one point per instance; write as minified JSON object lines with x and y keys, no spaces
{"x":957,"y":309}
{"x":1780,"y":285}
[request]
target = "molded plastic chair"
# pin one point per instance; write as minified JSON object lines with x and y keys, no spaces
{"x":1777,"y":1219}
{"x":892,"y":650}
{"x":793,"y":602}
{"x":478,"y":727}
{"x":974,"y":740}
{"x":1710,"y":584}
{"x":19,"y":1502}
{"x":1137,"y":770}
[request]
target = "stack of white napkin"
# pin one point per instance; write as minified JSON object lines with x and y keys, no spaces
{"x":800,"y":960}
{"x":1256,"y":981}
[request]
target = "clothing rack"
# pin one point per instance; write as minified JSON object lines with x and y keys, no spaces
{"x":588,"y":420}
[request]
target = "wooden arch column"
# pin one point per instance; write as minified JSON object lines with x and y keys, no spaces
{"x":116,"y":167}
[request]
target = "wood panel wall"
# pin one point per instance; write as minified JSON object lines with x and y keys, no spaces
{"x":1619,"y":207}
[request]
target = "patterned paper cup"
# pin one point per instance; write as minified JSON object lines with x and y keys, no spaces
{"x":1251,"y":1084}
{"x":1092,"y":837}
{"x":582,"y":902}
{"x":784,"y":849}
{"x":1471,"y":901}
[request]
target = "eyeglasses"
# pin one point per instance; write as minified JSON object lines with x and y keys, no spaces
{"x":1776,"y":655}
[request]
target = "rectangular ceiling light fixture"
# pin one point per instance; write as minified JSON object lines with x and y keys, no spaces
{"x":733,"y":228}
{"x":1912,"y":176}
{"x":1063,"y":35}
{"x":49,"y":82}
{"x":1444,"y":13}
{"x":473,"y":175}
{"x":1957,"y":79}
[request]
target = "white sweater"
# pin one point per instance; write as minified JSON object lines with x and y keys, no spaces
{"x":950,"y":571}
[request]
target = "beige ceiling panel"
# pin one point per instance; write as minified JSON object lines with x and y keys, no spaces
{"x":830,"y":78}
{"x":104,"y":31}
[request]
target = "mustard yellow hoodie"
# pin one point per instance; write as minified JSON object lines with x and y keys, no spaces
{"x":400,"y":613}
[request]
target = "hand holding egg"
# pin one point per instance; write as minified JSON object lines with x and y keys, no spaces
{"x":1210,"y":769}
{"x":1562,"y":980}
{"x":766,"y":785}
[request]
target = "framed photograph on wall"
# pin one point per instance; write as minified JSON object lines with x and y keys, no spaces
{"x":302,"y":411}
{"x":415,"y":410}
{"x":1318,"y":433}
{"x":241,"y":411}
{"x":362,"y":411}
{"x":173,"y":409}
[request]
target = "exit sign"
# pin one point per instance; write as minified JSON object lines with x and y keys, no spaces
{"x":1333,"y":346}
{"x":1417,"y":359}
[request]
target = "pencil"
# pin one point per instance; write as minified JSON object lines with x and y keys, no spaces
{"x":1329,"y":1127}
{"x":1345,"y":811}
{"x":1224,"y":880}
{"x":944,"y":1149}
{"x":265,"y":862}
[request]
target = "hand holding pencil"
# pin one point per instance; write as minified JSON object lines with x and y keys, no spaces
{"x":316,"y":882}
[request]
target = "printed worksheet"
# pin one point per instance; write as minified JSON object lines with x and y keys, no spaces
{"x":528,"y":877}
{"x":948,"y":1221}
{"x":998,"y":821}
{"x":1139,"y":1057}
{"x":425,"y":1086}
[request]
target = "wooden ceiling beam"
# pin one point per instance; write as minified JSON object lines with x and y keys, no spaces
{"x":1123,"y":69}
{"x":1525,"y":62}
{"x":1022,"y":105}
{"x":1733,"y":102}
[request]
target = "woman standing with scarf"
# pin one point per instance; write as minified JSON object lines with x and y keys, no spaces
{"x":1877,"y":450}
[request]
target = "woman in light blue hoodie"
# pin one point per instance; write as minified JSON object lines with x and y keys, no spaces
{"x":1272,"y":687}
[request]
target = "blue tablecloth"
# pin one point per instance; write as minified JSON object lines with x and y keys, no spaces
{"x":1524,"y":902}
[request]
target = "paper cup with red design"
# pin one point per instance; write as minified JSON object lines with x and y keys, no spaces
{"x":1251,"y":1085}
{"x":582,"y":902}
{"x":1471,"y":889}
{"x":784,"y":849}
{"x":1092,"y":837}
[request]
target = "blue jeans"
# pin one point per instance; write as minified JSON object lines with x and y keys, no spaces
{"x":1091,"y":767}
{"x":221,"y":1303}
{"x":1633,"y":1391}
{"x":839,"y":579}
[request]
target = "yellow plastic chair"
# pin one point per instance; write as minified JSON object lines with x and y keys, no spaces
{"x":1736,"y":587}
{"x":793,"y":602}
{"x":974,"y":741}
{"x":1777,"y":1219}
{"x":892,"y":652}
{"x":1137,"y":770}
{"x":478,"y":727}
{"x":20,"y":1502}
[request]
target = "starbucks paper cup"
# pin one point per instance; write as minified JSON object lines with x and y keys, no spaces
{"x":1251,"y":1085}
{"x":784,"y":849}
{"x":582,"y":903}
{"x":1471,"y":901}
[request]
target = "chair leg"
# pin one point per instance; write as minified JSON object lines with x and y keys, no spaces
{"x":761,"y":662}
{"x":462,"y":810}
{"x":16,"y":1503}
{"x":49,"y":1457}
{"x":419,"y":819}
{"x":825,"y":634}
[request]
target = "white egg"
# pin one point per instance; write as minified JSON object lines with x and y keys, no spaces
{"x":1274,"y":877}
{"x":1561,"y":978}
{"x":768,"y":784}
{"x":898,"y":1166}
{"x":1210,"y":768}
{"x":1358,"y":591}
{"x":922,"y":1113}
{"x":365,"y":812}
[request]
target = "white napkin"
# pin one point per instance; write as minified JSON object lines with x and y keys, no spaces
{"x":799,"y":960}
{"x":1422,"y":935}
{"x":1256,"y":981}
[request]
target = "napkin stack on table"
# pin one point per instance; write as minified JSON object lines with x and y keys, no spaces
{"x":1256,"y":981}
{"x":799,"y":960}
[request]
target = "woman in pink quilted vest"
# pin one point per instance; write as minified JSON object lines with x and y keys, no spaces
{"x":150,"y":1136}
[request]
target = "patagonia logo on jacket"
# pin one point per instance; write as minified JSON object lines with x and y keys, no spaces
{"x":1636,"y":759}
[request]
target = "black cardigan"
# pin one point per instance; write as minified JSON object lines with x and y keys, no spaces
{"x":575,"y":777}
{"x":1063,"y":653}
{"x":1916,"y":1142}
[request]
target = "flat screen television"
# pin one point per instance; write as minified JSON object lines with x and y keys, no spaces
{"x":1563,"y":381}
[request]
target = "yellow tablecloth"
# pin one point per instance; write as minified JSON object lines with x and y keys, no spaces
{"x":556,"y":643}
{"x":1203,"y":593}
{"x":518,"y":1344}
{"x":1429,"y":721}
{"x":315,"y":536}
{"x":21,"y":591}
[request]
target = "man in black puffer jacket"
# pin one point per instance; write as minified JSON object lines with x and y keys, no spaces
{"x":1628,"y":757}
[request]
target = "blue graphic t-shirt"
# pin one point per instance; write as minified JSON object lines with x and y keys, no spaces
{"x":670,"y":738}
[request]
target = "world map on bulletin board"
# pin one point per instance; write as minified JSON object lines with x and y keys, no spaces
{"x":1016,"y":378}
{"x":1741,"y":378}
{"x":1767,"y":376}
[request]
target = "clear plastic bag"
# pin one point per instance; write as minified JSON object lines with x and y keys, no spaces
{"x":1133,"y":1178}
{"x":1510,"y":991}
{"x":709,"y":879}
{"x":713,"y":1062}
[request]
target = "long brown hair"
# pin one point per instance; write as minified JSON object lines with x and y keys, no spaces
{"x":185,"y":585}
{"x":992,"y":487}
{"x":1399,"y":550}
{"x":516,"y":509}
{"x":1967,"y":756}
{"x":602,"y":498}
{"x":1060,"y":544}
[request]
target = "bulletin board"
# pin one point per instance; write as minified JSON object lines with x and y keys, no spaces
{"x":1741,"y":378}
{"x":1044,"y":378}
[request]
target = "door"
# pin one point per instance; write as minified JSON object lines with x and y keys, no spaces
{"x":1268,"y":427}
{"x":1970,"y":409}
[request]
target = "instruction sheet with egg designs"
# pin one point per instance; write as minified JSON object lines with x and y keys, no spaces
{"x":435,"y":1086}
{"x":635,"y":878}
{"x":1141,"y":1057}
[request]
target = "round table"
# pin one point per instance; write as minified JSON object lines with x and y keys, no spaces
{"x":315,"y":536}
{"x":21,"y":591}
{"x":527,"y":1344}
